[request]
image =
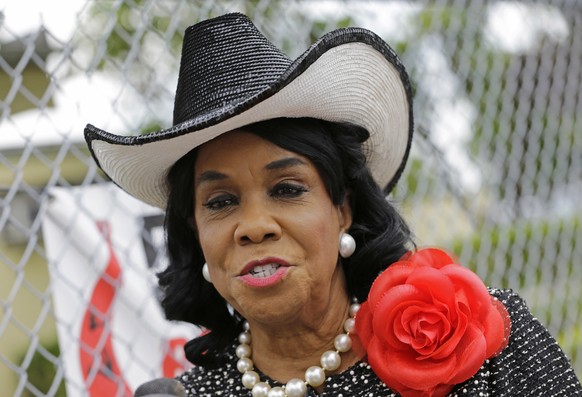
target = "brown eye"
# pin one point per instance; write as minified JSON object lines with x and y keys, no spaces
{"x":287,"y":190}
{"x":221,"y":202}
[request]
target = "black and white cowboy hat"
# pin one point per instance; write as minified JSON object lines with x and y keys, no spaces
{"x":231,"y":76}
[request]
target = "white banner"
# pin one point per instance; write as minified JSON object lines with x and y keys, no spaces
{"x":103,"y":248}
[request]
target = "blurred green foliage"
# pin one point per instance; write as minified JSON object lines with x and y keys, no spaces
{"x":42,"y":372}
{"x":517,"y":241}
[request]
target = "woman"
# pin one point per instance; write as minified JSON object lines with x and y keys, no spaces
{"x":277,"y":225}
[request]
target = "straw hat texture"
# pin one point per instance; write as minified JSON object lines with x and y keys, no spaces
{"x":231,"y":76}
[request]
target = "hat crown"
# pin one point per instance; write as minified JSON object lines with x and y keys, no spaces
{"x":225,"y":61}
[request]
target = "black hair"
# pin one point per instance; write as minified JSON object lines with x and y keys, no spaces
{"x":335,"y":149}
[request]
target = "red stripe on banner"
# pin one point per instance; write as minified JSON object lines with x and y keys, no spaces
{"x":99,"y":366}
{"x":175,"y":361}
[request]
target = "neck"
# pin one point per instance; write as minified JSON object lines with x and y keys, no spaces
{"x":284,"y":352}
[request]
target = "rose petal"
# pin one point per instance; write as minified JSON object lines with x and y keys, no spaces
{"x":392,"y":383}
{"x":470,"y":355}
{"x":395,"y":274}
{"x":364,"y":324}
{"x":389,"y":309}
{"x":423,"y":327}
{"x":432,"y":257}
{"x":434,"y":282}
{"x":407,"y":370}
{"x":448,"y":346}
{"x":441,"y":390}
{"x":496,"y":328}
{"x":396,"y":332}
{"x":500,"y":307}
{"x":470,"y":288}
{"x":406,"y":256}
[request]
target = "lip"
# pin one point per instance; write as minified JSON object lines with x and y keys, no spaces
{"x":251,"y":281}
{"x":260,"y":262}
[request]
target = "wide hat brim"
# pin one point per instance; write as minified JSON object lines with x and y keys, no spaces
{"x":349,"y":75}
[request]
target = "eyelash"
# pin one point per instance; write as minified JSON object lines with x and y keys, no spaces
{"x":221,"y":202}
{"x":281,"y":190}
{"x":291,"y":190}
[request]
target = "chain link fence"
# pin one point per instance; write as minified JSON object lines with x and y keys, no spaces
{"x":495,"y":173}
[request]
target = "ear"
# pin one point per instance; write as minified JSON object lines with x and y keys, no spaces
{"x":345,"y":214}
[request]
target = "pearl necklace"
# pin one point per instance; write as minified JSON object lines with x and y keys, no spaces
{"x":314,"y":376}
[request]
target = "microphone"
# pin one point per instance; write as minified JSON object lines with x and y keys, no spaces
{"x":162,"y":387}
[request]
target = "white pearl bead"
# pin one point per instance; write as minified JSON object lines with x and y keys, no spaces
{"x":261,"y":389}
{"x":243,"y":351}
{"x":295,"y":388}
{"x":350,"y":325}
{"x":330,"y":360}
{"x":276,"y":392}
{"x":206,"y":273}
{"x":343,"y":342}
{"x":245,"y":338}
{"x":244,"y":364}
{"x":347,"y":245}
{"x":315,"y":376}
{"x":250,"y":378}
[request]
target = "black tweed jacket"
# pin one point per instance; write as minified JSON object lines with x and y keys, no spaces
{"x":531,"y":365}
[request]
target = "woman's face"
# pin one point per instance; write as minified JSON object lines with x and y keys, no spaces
{"x":268,"y":228}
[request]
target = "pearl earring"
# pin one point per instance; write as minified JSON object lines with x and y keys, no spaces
{"x":206,"y":273}
{"x":347,"y":245}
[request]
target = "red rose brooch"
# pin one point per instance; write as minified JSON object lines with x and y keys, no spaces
{"x":429,"y":324}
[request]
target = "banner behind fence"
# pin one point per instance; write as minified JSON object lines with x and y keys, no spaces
{"x":111,"y":330}
{"x":495,"y":173}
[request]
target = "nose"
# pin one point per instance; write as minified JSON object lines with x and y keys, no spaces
{"x":256,"y":223}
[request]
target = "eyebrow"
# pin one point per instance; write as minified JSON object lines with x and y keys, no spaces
{"x":284,"y":163}
{"x":209,"y":176}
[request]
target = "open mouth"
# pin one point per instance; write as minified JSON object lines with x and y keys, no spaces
{"x":263,"y":271}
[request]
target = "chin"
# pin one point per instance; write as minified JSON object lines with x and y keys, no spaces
{"x":273,"y":305}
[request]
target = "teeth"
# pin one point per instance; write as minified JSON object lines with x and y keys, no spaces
{"x":265,"y":270}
